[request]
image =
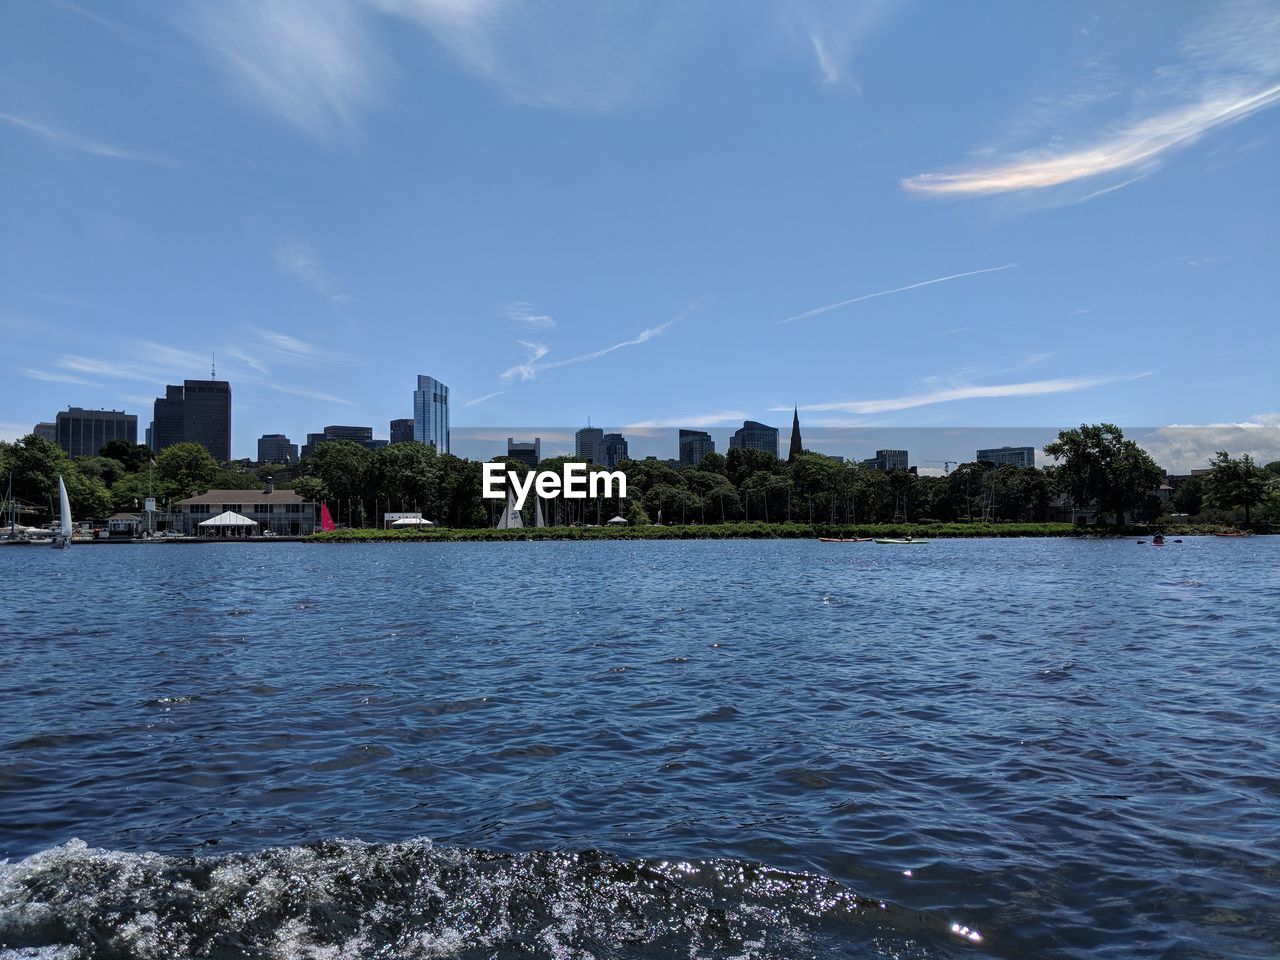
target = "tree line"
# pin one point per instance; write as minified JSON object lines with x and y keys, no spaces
{"x":1097,"y":471}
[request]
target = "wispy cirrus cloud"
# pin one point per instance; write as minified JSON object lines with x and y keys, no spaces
{"x":318,"y":65}
{"x":526,"y":315}
{"x":534,"y":365}
{"x":710,"y":418}
{"x":55,"y":376}
{"x":301,"y":262}
{"x":1229,"y":70}
{"x":313,"y":64}
{"x":835,"y":31}
{"x":818,"y":311}
{"x":488,"y":396}
{"x":80,"y":144}
{"x":307,"y":394}
{"x":277,"y":346}
{"x":953,"y":393}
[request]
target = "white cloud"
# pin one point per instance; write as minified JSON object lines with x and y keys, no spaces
{"x":313,"y":63}
{"x":1180,"y":448}
{"x":308,"y":394}
{"x":530,"y":369}
{"x":524,"y":313}
{"x":965,"y":392}
{"x":1229,"y":70}
{"x":835,"y":31}
{"x":81,"y":144}
{"x":486,"y":397}
{"x":1133,"y":147}
{"x":279,"y":347}
{"x":53,"y":376}
{"x":713,"y":418}
{"x":300,"y":261}
{"x":884,"y":293}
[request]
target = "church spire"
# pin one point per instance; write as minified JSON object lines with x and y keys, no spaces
{"x":797,"y":447}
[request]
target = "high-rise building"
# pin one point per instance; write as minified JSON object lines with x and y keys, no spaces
{"x":797,"y":446}
{"x":360,"y":435}
{"x":694,"y":445}
{"x":755,"y":436}
{"x":82,"y":433}
{"x":613,"y":450}
{"x":586,"y":444}
{"x":431,"y":413}
{"x":999,"y":456}
{"x":530,"y":454}
{"x":886,"y":461}
{"x":47,"y":431}
{"x":199,"y":411}
{"x":206,"y":416}
{"x":166,"y":422}
{"x":276,"y":448}
{"x":402,"y":430}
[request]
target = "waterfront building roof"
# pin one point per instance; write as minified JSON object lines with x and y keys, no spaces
{"x":229,"y":519}
{"x":253,"y":495}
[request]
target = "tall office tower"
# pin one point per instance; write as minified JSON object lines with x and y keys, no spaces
{"x":999,"y":456}
{"x":82,"y":433}
{"x":755,"y":436}
{"x":613,"y":450}
{"x":47,"y":431}
{"x":431,"y":413}
{"x":199,"y":411}
{"x":206,"y":416}
{"x":694,"y":445}
{"x":886,"y":461}
{"x":586,"y":443}
{"x":530,"y":454}
{"x":797,"y":446}
{"x":166,"y":421}
{"x":402,"y":430}
{"x":276,"y":448}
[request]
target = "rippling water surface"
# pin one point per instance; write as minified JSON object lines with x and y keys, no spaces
{"x":1027,"y":748}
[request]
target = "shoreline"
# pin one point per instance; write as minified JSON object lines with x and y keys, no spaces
{"x":753,"y":531}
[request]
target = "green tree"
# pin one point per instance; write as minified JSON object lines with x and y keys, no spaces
{"x":132,"y":456}
{"x":106,"y":469}
{"x":1101,"y":470}
{"x":185,"y":470}
{"x":342,"y":466}
{"x":35,"y":464}
{"x":311,"y":489}
{"x":90,"y":499}
{"x":404,"y":477}
{"x":636,"y":515}
{"x":1235,"y":483}
{"x":1188,"y":498}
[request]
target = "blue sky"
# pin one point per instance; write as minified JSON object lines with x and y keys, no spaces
{"x":651,"y":213}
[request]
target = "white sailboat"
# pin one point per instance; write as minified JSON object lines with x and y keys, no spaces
{"x":539,"y":519}
{"x":511,"y":519}
{"x":63,"y":537}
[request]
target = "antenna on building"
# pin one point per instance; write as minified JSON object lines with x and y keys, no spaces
{"x":213,"y":365}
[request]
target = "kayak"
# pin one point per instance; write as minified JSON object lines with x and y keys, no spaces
{"x":844,"y":539}
{"x":888,"y":540}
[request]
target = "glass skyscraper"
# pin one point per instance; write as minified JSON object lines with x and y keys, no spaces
{"x":431,"y":413}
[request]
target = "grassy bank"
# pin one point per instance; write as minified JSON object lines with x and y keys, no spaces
{"x":746,"y":531}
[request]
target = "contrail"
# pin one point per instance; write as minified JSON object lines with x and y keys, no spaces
{"x":884,"y":293}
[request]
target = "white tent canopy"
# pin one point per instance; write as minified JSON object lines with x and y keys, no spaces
{"x":229,"y":519}
{"x":617,"y":522}
{"x":411,"y":522}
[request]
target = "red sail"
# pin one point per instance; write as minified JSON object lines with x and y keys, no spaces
{"x":326,"y":519}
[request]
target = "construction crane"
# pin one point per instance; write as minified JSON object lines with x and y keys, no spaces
{"x":946,"y":464}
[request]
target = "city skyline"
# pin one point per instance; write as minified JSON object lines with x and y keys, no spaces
{"x":1081,"y":234}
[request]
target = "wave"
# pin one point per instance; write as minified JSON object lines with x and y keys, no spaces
{"x":348,"y":899}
